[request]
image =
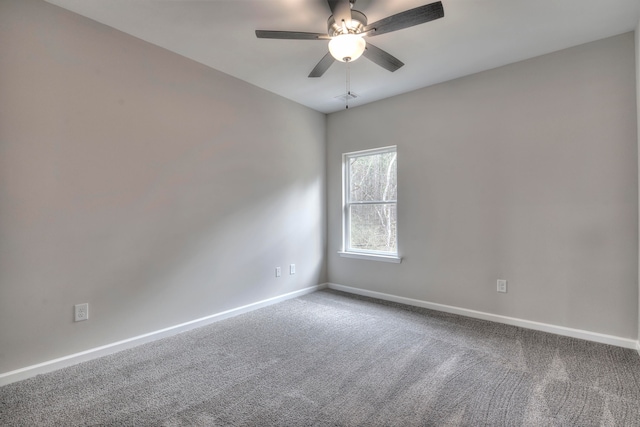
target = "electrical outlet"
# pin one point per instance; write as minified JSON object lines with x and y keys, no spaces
{"x":278,"y":272}
{"x":292,"y":269}
{"x":81,"y":312}
{"x":502,"y":285}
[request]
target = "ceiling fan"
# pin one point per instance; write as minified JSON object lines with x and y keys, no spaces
{"x":347,"y":27}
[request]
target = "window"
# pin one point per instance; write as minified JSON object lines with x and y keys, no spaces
{"x":369,"y":196}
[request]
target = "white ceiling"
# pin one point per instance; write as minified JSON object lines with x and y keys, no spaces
{"x":473,"y":36}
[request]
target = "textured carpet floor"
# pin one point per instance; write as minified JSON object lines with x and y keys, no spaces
{"x":331,"y":359}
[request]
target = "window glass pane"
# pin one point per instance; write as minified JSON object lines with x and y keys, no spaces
{"x":373,"y":177}
{"x":373,"y":227}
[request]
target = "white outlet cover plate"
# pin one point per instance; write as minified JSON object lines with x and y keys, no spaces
{"x":502,"y":285}
{"x":81,"y":312}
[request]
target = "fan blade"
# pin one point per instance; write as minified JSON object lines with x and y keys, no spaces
{"x":290,"y":35}
{"x":406,"y":19}
{"x":322,"y":66}
{"x":382,"y":58}
{"x":341,"y":10}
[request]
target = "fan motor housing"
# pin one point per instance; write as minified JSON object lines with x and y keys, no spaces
{"x":358,"y":22}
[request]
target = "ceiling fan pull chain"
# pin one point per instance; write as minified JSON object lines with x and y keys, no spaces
{"x":348,"y":83}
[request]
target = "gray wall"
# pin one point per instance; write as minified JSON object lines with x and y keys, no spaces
{"x":527,"y":172}
{"x":154,"y":188}
{"x":637,"y":44}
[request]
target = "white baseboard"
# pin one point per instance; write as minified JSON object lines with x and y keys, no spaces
{"x":72,"y":359}
{"x":528,"y":324}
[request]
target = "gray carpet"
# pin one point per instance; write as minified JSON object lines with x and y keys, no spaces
{"x":331,"y":359}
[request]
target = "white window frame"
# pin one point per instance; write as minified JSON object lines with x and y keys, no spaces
{"x":347,"y":251}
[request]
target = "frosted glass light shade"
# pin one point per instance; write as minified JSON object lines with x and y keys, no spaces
{"x":346,"y":46}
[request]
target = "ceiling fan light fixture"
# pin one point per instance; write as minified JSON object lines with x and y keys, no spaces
{"x":347,"y":46}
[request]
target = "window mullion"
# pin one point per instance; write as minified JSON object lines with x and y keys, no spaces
{"x":376,"y":202}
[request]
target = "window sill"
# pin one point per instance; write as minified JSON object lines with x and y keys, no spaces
{"x":371,"y":257}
